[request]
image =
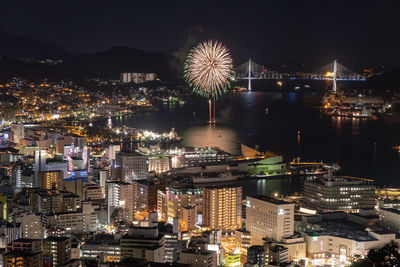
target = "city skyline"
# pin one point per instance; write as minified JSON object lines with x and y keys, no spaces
{"x":218,"y":134}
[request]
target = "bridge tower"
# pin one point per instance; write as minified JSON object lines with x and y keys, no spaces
{"x":334,"y":75}
{"x":249,"y":84}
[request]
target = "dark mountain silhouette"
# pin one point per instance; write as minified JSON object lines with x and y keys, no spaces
{"x":110,"y":63}
{"x":11,"y":67}
{"x":106,"y":64}
{"x":12,"y":45}
{"x":392,"y":81}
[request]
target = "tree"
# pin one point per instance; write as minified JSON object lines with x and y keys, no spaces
{"x":386,"y":256}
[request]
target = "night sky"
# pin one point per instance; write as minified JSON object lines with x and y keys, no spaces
{"x":277,"y":32}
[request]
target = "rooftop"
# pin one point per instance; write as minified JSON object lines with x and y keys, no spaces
{"x":102,"y":239}
{"x":26,"y":240}
{"x":22,"y":253}
{"x":56,"y":238}
{"x":270,"y":200}
{"x":345,"y":229}
{"x":391,"y":210}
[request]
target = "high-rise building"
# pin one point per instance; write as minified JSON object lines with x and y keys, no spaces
{"x":56,"y":250}
{"x":121,"y":195}
{"x":45,"y":201}
{"x":9,"y":232}
{"x":40,"y":165}
{"x":51,"y":180}
{"x":339,"y":193}
{"x":268,"y":218}
{"x":126,"y":77}
{"x":76,"y":186}
{"x":103,"y":174}
{"x":171,"y":201}
{"x":113,"y":150}
{"x":160,"y":164}
{"x":222,"y":207}
{"x":188,"y":218}
{"x":3,"y":207}
{"x":18,"y":130}
{"x":58,"y":165}
{"x":146,"y":194}
{"x":133,"y":166}
{"x":16,"y":177}
{"x":150,"y":77}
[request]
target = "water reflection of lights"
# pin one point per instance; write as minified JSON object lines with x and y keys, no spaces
{"x":209,"y":136}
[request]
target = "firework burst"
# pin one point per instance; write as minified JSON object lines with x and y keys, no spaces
{"x":208,"y":69}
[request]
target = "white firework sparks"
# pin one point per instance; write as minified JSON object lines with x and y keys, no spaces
{"x":208,"y":69}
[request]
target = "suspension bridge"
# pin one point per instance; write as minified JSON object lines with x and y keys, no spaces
{"x":334,"y":71}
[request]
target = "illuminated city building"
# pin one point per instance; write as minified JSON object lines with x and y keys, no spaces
{"x":32,"y":226}
{"x":121,"y":195}
{"x":159,"y":164}
{"x":23,"y":252}
{"x":51,"y":180}
{"x":9,"y":232}
{"x":18,"y":130}
{"x":56,"y":250}
{"x":243,"y":239}
{"x":191,"y":157}
{"x":45,"y":201}
{"x":232,"y":259}
{"x":25,"y":244}
{"x":75,"y":222}
{"x":222,"y":207}
{"x":336,"y":238}
{"x":105,"y":247}
{"x":23,"y":258}
{"x":143,"y":243}
{"x":133,"y":166}
{"x":16,"y":178}
{"x":171,"y":201}
{"x":268,"y":218}
{"x":40,"y":165}
{"x":198,"y":258}
{"x":339,"y":193}
{"x":188,"y":218}
{"x":128,"y":77}
{"x":275,"y":253}
{"x":70,"y":201}
{"x":146,"y":194}
{"x":255,"y":256}
{"x":93,"y":192}
{"x":58,"y":165}
{"x":3,"y":207}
